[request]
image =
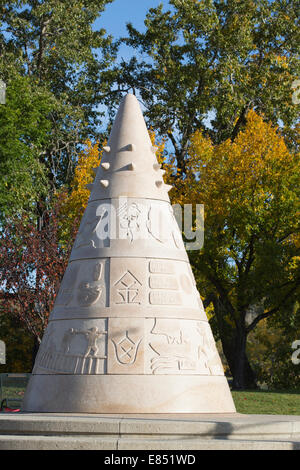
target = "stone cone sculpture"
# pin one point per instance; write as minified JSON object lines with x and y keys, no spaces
{"x":128,"y":332}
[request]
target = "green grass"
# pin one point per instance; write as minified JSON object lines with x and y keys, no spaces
{"x":267,"y":402}
{"x":246,"y":402}
{"x":13,"y":396}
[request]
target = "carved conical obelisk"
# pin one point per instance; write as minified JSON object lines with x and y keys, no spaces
{"x":128,"y":332}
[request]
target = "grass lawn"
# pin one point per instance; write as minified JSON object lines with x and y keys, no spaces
{"x":267,"y":402}
{"x":246,"y":402}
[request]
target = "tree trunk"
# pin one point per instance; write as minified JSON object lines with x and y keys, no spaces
{"x":243,"y":375}
{"x":234,"y":341}
{"x":240,"y":368}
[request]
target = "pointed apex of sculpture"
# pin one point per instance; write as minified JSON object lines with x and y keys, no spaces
{"x":129,"y":128}
{"x":129,"y":166}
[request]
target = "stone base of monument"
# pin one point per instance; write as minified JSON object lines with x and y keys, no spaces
{"x":58,"y":431}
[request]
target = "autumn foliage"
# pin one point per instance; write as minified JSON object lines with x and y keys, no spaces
{"x":74,"y":201}
{"x":250,"y":260}
{"x":32,"y":263}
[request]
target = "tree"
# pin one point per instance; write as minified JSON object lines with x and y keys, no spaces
{"x":24,"y":133}
{"x":32,"y":263}
{"x":270,"y":356}
{"x":214,"y":60}
{"x":74,"y":202}
{"x":19,"y":343}
{"x":250,"y":260}
{"x":61,"y":58}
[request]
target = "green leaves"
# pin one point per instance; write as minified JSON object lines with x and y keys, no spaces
{"x":24,"y":132}
{"x":214,"y":55}
{"x":54,"y":85}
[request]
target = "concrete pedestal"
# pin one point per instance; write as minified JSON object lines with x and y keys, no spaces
{"x":232,"y":431}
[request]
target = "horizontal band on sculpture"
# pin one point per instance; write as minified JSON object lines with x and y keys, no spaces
{"x":115,"y":312}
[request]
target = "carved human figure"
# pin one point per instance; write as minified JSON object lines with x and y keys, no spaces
{"x":91,"y":335}
{"x":66,"y":340}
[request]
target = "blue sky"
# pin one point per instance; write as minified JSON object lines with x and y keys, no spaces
{"x":120,"y":12}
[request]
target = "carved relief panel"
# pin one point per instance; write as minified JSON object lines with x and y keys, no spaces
{"x":93,"y":232}
{"x":170,"y":283}
{"x":73,"y":347}
{"x":181,"y":347}
{"x":85,"y":283}
{"x":126,"y":346}
{"x":161,"y":346}
{"x":128,"y":282}
{"x":111,"y":226}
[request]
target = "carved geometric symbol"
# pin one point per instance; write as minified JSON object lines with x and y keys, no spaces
{"x":128,"y":288}
{"x":126,"y":349}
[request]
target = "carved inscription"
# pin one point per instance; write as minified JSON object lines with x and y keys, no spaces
{"x":161,"y":267}
{"x":164,"y":298}
{"x":163,"y":282}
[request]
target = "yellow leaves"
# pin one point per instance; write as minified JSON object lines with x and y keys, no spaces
{"x":236,"y":178}
{"x":74,"y":203}
{"x":282,"y":61}
{"x":168,"y":167}
{"x":160,"y":145}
